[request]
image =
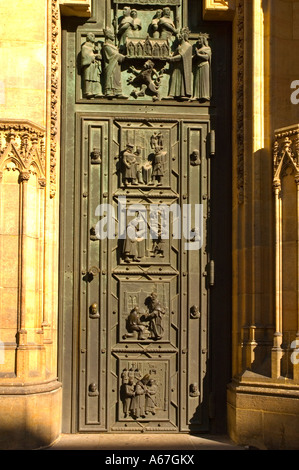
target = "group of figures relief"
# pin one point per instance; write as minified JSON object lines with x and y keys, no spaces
{"x":138,"y":394}
{"x":147,"y":325}
{"x":136,"y":170}
{"x":165,"y":50}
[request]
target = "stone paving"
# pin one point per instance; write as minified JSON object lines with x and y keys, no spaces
{"x":147,"y":442}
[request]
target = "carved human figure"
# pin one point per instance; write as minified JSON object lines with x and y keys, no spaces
{"x":156,"y":50}
{"x":94,"y":312}
{"x":129,"y":393}
{"x":95,"y":157}
{"x":159,"y":242}
{"x":195,"y":158}
{"x":139,"y":167}
{"x":154,"y":316}
{"x":166,"y":25}
{"x":125,"y":376}
{"x":194,"y":392}
{"x":136,"y":24}
{"x":91,"y":68}
{"x":137,"y":406}
{"x":131,"y":49}
{"x":112,"y":66}
{"x":139,"y":49}
{"x":129,"y":163}
{"x":93,"y":390}
{"x":134,"y":325}
{"x":131,"y":373}
{"x":181,"y":75}
{"x":158,"y":165}
{"x":125,"y":27}
{"x":150,"y":394}
{"x":165,"y":50}
{"x":148,"y":50}
{"x":194,"y":312}
{"x":93,"y":233}
{"x":137,"y":375}
{"x":157,"y":140}
{"x":202,"y":75}
{"x":155,"y":27}
{"x":148,"y":78}
{"x":133,"y":238}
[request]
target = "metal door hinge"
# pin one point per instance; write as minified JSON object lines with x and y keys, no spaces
{"x":212,"y":143}
{"x":212,"y":273}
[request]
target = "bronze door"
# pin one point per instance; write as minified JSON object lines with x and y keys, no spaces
{"x":136,"y":326}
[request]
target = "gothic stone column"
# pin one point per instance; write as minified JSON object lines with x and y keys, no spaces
{"x":263,"y":395}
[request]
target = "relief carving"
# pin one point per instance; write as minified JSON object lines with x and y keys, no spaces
{"x":54,"y":93}
{"x":130,"y":165}
{"x":91,"y":67}
{"x":134,"y":237}
{"x":147,"y":48}
{"x":134,"y":325}
{"x":95,"y":157}
{"x":194,"y":392}
{"x":194,"y":312}
{"x":202,"y":76}
{"x":146,"y":325}
{"x":155,"y":25}
{"x":181,"y":74}
{"x":166,"y":25}
{"x":22,"y":148}
{"x":195,"y":158}
{"x":112,"y":59}
{"x":155,"y":316}
{"x":93,"y":390}
{"x":138,"y":170}
{"x":93,"y":311}
{"x":125,"y":27}
{"x":158,"y":166}
{"x":138,"y":395}
{"x":136,"y":23}
{"x":158,"y":42}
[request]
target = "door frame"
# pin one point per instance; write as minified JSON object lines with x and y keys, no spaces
{"x":220,"y":332}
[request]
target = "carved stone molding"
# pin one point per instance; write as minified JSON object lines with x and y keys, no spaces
{"x":54,"y":93}
{"x":240,"y":100}
{"x":219,"y":9}
{"x":285,"y":151}
{"x":81,"y":8}
{"x":22,"y":148}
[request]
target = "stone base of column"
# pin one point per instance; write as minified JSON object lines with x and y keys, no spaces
{"x":30,"y":415}
{"x":263,"y":413}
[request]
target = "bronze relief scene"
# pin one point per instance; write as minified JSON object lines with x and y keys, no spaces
{"x":146,"y":54}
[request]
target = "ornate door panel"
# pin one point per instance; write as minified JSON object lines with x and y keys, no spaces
{"x":135,"y":238}
{"x":124,"y":280}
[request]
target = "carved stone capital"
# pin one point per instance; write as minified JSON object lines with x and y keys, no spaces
{"x":222,"y":10}
{"x":24,"y":175}
{"x":42,"y":182}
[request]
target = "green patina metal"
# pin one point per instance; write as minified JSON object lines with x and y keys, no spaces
{"x":139,"y":117}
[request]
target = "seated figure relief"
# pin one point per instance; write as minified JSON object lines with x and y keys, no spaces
{"x":148,"y":325}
